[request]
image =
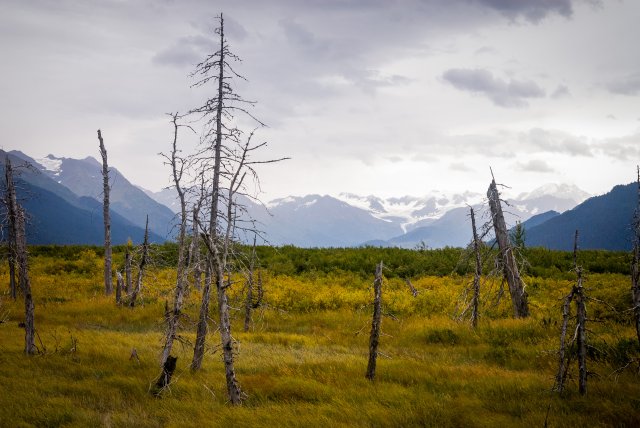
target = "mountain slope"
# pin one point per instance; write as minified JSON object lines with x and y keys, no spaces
{"x":604,"y":222}
{"x":58,"y":216}
{"x":83,"y":177}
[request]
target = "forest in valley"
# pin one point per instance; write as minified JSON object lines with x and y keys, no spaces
{"x":211,"y":329}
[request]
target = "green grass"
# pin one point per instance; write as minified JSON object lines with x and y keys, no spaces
{"x":303,"y":362}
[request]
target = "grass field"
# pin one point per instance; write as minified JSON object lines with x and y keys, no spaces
{"x":303,"y":361}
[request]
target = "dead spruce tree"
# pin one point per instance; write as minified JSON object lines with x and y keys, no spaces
{"x":477,"y":274}
{"x":11,"y":229}
{"x":509,"y":264}
{"x":108,"y":284}
{"x":635,"y":263}
{"x":144,"y":259}
{"x":17,"y":222}
{"x":374,"y":337}
{"x":178,"y":165}
{"x":565,"y":353}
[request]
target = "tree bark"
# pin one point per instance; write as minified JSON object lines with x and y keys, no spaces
{"x":17,"y":221}
{"x":174,"y":317}
{"x":11,"y":226}
{"x":635,"y":263}
{"x":108,"y":284}
{"x":119,"y":287}
{"x":510,"y":267}
{"x":195,"y":250}
{"x":374,"y":337}
{"x":141,"y":267}
{"x":127,"y":271}
{"x":475,"y":300}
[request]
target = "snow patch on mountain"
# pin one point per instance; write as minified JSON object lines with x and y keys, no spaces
{"x":51,"y":163}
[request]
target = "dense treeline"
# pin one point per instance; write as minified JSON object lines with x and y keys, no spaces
{"x":399,"y":262}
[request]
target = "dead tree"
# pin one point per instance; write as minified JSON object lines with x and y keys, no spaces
{"x":509,"y":265}
{"x":108,"y":284}
{"x":374,"y":337}
{"x":412,"y":289}
{"x":194,"y":250}
{"x":580,"y":338}
{"x":177,"y":167}
{"x":248,"y":306}
{"x":144,"y":259}
{"x":11,"y":227}
{"x":635,"y":263}
{"x":17,"y":223}
{"x":475,"y":300}
{"x":119,"y":287}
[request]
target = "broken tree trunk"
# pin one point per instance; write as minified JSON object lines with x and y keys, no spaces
{"x":119,"y":287}
{"x":11,"y":226}
{"x":563,"y":363}
{"x":168,"y":368}
{"x":413,"y":290}
{"x":510,"y":267}
{"x":581,"y":320}
{"x":108,"y":284}
{"x":203,"y":318}
{"x":374,"y":338}
{"x":141,"y":266}
{"x":17,"y":222}
{"x":475,"y":300}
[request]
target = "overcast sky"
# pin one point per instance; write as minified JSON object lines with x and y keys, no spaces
{"x":384,"y":97}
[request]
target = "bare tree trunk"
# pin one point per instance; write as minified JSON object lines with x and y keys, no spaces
{"x":108,"y":284}
{"x":635,"y":264}
{"x":203,"y":318}
{"x":177,"y":166}
{"x":17,"y":223}
{"x":249,"y":302}
{"x":581,"y":340}
{"x":25,"y":284}
{"x":475,"y":300}
{"x":12,"y":267}
{"x":511,"y":273}
{"x":119,"y":287}
{"x":413,"y":290}
{"x":562,"y":354}
{"x":374,"y":338}
{"x":141,"y":267}
{"x":195,"y":250}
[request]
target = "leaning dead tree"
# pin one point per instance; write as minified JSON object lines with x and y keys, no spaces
{"x":374,"y":337}
{"x":578,"y":344}
{"x":635,"y":264}
{"x":177,"y":164}
{"x":509,"y":265}
{"x":144,"y":259}
{"x":108,"y":284}
{"x":17,"y":222}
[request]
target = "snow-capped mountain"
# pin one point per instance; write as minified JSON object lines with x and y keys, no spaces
{"x":437,"y":219}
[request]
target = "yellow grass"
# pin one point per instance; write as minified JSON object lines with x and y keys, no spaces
{"x":303,"y":362}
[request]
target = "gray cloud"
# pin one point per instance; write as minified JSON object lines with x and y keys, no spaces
{"x":552,"y":141}
{"x":561,"y":91}
{"x":532,"y":11}
{"x":628,"y":85}
{"x":535,"y":165}
{"x":512,"y":93}
{"x":623,"y":148}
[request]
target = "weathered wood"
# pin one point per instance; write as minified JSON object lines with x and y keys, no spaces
{"x":144,"y":259}
{"x":635,"y":263}
{"x":203,"y":318}
{"x":510,"y":267}
{"x":11,"y":205}
{"x":412,"y":289}
{"x":194,"y":251}
{"x":562,"y":353}
{"x":119,"y":287}
{"x":173,"y":317}
{"x":374,"y":337}
{"x":108,"y":284}
{"x":18,"y":221}
{"x":168,"y":368}
{"x":475,"y":300}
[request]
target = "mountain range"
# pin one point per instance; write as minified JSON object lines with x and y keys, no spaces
{"x":63,"y":197}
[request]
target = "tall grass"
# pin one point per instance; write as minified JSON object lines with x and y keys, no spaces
{"x":303,"y":361}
